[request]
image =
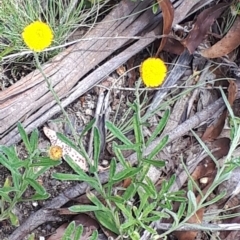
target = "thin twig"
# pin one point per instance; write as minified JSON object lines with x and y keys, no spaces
{"x":198,"y":227}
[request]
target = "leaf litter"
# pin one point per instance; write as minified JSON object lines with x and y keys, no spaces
{"x":196,"y":36}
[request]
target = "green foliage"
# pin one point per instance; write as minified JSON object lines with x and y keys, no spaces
{"x":24,"y":174}
{"x":64,"y":17}
{"x":139,"y":204}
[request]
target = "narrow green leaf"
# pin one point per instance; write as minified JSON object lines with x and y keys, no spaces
{"x":25,"y":164}
{"x":11,"y":154}
{"x":126,"y":173}
{"x":7,"y":189}
{"x":149,"y":192}
{"x":78,"y":232}
{"x":94,"y":235}
{"x":112,"y":171}
{"x":151,"y":219}
{"x":134,"y":235}
{"x":4,"y":161}
{"x":148,"y":209}
{"x":161,"y":214}
{"x":5,"y":196}
{"x":148,"y":228}
{"x":133,"y":147}
{"x":31,"y":237}
{"x":181,"y":209}
{"x":124,"y":211}
{"x":45,"y":161}
{"x":129,"y":192}
{"x":106,"y":219}
{"x":37,"y":197}
{"x":116,"y":199}
{"x":34,"y":140}
{"x":216,"y":199}
{"x":24,"y":137}
{"x":137,"y":129}
{"x":88,"y":127}
{"x":66,"y":140}
{"x":97,"y":146}
{"x":119,"y":155}
{"x":75,"y":167}
{"x":155,"y":8}
{"x":84,"y":208}
{"x":158,"y":148}
{"x":13,"y":219}
{"x":36,"y":186}
{"x":129,"y":224}
{"x":95,"y":200}
{"x":155,"y":163}
{"x":73,"y":177}
{"x":192,"y":199}
{"x":69,"y":231}
{"x":151,"y":187}
{"x":117,"y":133}
{"x":144,"y":196}
{"x":159,"y":127}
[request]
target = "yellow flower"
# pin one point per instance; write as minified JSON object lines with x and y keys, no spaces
{"x":153,"y":72}
{"x":37,"y":36}
{"x":55,"y":152}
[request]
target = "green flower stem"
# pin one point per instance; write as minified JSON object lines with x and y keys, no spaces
{"x":51,"y":89}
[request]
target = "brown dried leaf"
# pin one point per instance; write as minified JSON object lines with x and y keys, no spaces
{"x":204,"y":20}
{"x":227,"y":44}
{"x":88,"y":223}
{"x":197,"y":219}
{"x":173,"y":46}
{"x":213,"y":131}
{"x":223,"y":144}
{"x":168,"y":15}
{"x":207,"y":167}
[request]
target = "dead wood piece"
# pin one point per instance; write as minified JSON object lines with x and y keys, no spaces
{"x":41,"y":215}
{"x":64,"y":71}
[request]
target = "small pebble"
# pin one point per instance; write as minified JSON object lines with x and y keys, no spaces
{"x":35,"y":204}
{"x":89,"y":112}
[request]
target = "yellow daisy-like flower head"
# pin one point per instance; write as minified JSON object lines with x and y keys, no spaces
{"x":37,"y":36}
{"x":55,"y":152}
{"x":153,"y":72}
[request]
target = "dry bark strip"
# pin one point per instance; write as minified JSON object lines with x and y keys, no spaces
{"x":47,"y":213}
{"x":31,"y":94}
